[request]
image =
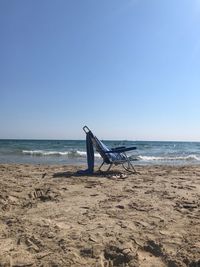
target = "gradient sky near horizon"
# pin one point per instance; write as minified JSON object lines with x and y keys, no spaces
{"x":129,"y":69}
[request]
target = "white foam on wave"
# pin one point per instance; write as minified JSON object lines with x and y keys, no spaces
{"x":170,"y":158}
{"x":193,"y":157}
{"x":44,"y":153}
{"x":72,"y":153}
{"x":84,"y":154}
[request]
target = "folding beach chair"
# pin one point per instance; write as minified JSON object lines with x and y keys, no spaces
{"x":114,"y":156}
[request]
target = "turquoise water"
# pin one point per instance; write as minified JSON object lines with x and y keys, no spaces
{"x":74,"y":152}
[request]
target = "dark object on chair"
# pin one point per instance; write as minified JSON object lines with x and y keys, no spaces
{"x":114,"y":156}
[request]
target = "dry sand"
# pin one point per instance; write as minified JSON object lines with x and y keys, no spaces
{"x":51,"y":217}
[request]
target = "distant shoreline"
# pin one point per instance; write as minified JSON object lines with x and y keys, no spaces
{"x":74,"y":152}
{"x":106,"y":140}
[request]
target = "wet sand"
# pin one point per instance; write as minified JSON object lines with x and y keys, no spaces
{"x":50,"y":217}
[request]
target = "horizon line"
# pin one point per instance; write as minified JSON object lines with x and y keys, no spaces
{"x":124,"y":140}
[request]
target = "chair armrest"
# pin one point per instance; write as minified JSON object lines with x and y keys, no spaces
{"x":121,"y":150}
{"x":119,"y":147}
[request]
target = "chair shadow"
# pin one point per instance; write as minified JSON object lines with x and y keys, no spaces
{"x":67,"y":174}
{"x":71,"y":174}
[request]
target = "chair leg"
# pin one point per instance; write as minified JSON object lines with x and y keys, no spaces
{"x":101,"y":166}
{"x":109,"y":167}
{"x":130,"y":167}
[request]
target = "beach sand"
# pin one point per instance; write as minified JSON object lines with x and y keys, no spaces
{"x":51,"y":217}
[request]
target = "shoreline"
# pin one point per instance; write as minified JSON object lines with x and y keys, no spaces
{"x":51,"y":217}
{"x":73,"y":152}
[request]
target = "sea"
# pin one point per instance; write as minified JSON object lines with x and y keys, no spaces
{"x":74,"y":152}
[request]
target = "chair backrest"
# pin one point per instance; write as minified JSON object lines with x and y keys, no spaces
{"x":102,"y":149}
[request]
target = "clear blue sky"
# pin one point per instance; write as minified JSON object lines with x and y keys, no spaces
{"x":129,"y":69}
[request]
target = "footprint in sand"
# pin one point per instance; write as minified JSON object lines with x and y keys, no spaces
{"x":44,"y":194}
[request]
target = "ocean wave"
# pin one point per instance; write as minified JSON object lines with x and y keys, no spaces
{"x":170,"y":158}
{"x":72,"y":153}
